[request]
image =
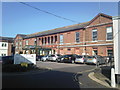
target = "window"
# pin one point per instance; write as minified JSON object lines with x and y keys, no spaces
{"x":69,"y":49}
{"x":26,"y":42}
{"x":61,"y":39}
{"x":3,"y":54}
{"x":94,"y":34}
{"x":77,"y":35}
{"x":95,"y":52}
{"x":16,"y":43}
{"x":35,"y":42}
{"x":109,"y":33}
{"x":110,"y":52}
{"x":48,"y":40}
{"x":4,"y":44}
{"x":21,"y":44}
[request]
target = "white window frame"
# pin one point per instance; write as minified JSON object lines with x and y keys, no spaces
{"x":61,"y":39}
{"x":26,"y":42}
{"x":109,"y":31}
{"x":77,"y":37}
{"x":94,"y":30}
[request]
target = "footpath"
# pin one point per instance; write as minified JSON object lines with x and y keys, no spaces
{"x":102,"y":75}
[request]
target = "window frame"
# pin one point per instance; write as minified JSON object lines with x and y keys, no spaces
{"x":77,"y":37}
{"x":93,"y":36}
{"x":110,"y":33}
{"x":26,"y":42}
{"x":61,"y":39}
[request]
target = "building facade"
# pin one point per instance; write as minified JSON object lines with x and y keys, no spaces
{"x":94,"y":37}
{"x":6,"y":46}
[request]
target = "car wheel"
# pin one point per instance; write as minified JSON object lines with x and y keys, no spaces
{"x":98,"y":63}
{"x":73,"y":61}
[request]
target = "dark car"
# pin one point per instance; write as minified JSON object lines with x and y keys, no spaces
{"x":60,"y":58}
{"x":69,"y":58}
{"x":38,"y":58}
{"x":8,"y":60}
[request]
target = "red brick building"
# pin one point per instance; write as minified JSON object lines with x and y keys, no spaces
{"x":93,"y":37}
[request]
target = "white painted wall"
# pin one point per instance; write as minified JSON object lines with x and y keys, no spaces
{"x":116,"y":35}
{"x":24,"y":58}
{"x":3,"y":50}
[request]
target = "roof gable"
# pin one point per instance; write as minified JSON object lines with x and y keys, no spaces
{"x":100,"y":18}
{"x":20,"y":35}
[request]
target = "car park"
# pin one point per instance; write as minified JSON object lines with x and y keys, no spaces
{"x":95,"y":60}
{"x":53,"y":57}
{"x":69,"y":58}
{"x":81,"y":59}
{"x":45,"y":58}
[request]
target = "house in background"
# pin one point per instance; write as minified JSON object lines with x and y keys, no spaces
{"x":18,"y":43}
{"x":6,"y":46}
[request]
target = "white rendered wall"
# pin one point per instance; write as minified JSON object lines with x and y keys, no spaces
{"x":3,"y":50}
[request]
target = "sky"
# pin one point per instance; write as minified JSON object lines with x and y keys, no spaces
{"x":18,"y":18}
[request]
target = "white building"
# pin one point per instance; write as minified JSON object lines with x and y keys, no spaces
{"x":3,"y":48}
{"x":6,"y":46}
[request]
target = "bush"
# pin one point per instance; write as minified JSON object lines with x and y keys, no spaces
{"x":16,"y":68}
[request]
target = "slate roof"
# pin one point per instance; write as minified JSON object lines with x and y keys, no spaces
{"x":6,"y":39}
{"x":22,"y":35}
{"x":58,"y":30}
{"x":66,"y":28}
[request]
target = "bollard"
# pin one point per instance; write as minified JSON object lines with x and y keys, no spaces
{"x":113,"y":84}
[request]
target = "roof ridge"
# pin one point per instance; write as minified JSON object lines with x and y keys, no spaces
{"x":57,"y":28}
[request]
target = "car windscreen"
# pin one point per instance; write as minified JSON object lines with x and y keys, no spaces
{"x":52,"y":55}
{"x":91,"y":56}
{"x":78,"y":56}
{"x":67,"y":55}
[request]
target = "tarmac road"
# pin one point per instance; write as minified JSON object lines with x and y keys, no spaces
{"x":58,"y":75}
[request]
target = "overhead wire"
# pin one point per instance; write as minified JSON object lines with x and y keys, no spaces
{"x":48,"y":12}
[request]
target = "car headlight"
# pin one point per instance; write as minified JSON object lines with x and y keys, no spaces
{"x":62,"y":58}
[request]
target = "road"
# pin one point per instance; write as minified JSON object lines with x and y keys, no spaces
{"x":58,"y":75}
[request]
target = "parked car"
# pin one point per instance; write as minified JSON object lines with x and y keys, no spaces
{"x":69,"y":58}
{"x":95,"y":60}
{"x":60,"y":59}
{"x":54,"y":57}
{"x":38,"y":58}
{"x":8,"y":60}
{"x":45,"y":58}
{"x":109,"y":60}
{"x":81,"y":59}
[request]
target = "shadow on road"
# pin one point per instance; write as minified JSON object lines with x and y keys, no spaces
{"x":49,"y":79}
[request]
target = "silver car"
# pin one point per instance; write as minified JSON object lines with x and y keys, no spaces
{"x":45,"y":58}
{"x":81,"y":59}
{"x":54,"y":57}
{"x":95,"y":60}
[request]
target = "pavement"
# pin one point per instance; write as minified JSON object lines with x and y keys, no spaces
{"x":102,"y":75}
